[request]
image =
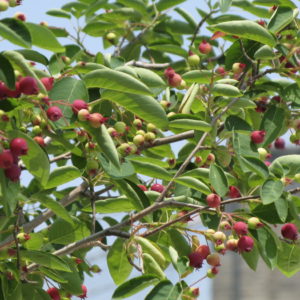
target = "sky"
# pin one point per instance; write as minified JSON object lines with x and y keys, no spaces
{"x":101,"y":286}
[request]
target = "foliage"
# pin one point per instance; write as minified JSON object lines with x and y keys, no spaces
{"x":108,"y":120}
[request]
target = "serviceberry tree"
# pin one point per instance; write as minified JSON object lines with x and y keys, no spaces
{"x":224,"y":85}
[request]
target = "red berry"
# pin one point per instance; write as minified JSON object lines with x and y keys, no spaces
{"x":289,"y":231}
{"x":6,"y":92}
{"x":168,"y":72}
{"x":28,"y":86}
{"x":258,"y":136}
{"x":174,"y":80}
{"x":18,"y":147}
{"x":205,"y":47}
{"x":196,"y":260}
{"x":186,"y":219}
{"x":267,"y":163}
{"x":261,"y":22}
{"x":54,"y":113}
{"x":279,"y":143}
{"x":221,"y":70}
{"x":203,"y":250}
{"x":20,"y":16}
{"x":213,"y":200}
{"x":238,"y":68}
{"x":6,"y":159}
{"x":245,"y":243}
{"x":195,"y":292}
{"x":142,"y":187}
{"x":240,"y":228}
{"x":53,"y":293}
{"x":157,"y":188}
{"x":40,"y":141}
{"x":48,"y":82}
{"x":213,"y":259}
{"x":13,"y":173}
{"x":78,"y":105}
{"x":276,"y":98}
{"x":234,"y":192}
{"x":84,"y":292}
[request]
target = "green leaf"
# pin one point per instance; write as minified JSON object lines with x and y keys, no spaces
{"x":251,"y":258}
{"x":165,"y":4}
{"x":243,"y":146}
{"x":152,"y":267}
{"x":264,"y":52}
{"x":106,"y":144}
{"x":165,"y":290}
{"x":36,"y":160}
{"x":288,"y":261}
{"x":169,"y":48}
{"x":178,"y":242}
{"x":151,"y":170}
{"x":15,"y":32}
{"x":282,"y":208}
{"x":218,"y":180}
{"x":112,"y":205}
{"x":190,"y":124}
{"x":60,"y":13}
{"x":45,"y":259}
{"x":126,"y":168}
{"x":282,"y":17}
{"x":150,"y":78}
{"x":17,"y":59}
{"x":134,"y":285}
{"x":145,"y":107}
{"x":248,"y":30}
{"x":34,"y":56}
{"x":117,"y":261}
{"x":68,"y":89}
{"x":136,"y":4}
{"x":225,"y":5}
{"x":116,"y":81}
{"x":287,"y":3}
{"x":253,"y":9}
{"x":64,"y":233}
{"x":287,"y":165}
{"x":227,"y":90}
{"x":198,"y":76}
{"x":255,"y":165}
{"x":55,"y":206}
{"x":44,"y":38}
{"x":270,"y":191}
{"x":272,"y":124}
{"x":98,"y":28}
{"x":62,"y":175}
{"x":188,"y":99}
{"x":292,"y":93}
{"x":194,"y":184}
{"x":235,"y":123}
{"x":7,"y":74}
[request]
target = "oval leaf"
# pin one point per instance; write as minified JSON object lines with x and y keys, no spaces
{"x":227,"y":90}
{"x":270,"y":191}
{"x":218,"y":180}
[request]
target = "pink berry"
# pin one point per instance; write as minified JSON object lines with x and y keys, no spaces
{"x":203,"y":250}
{"x":196,"y":260}
{"x":240,"y":228}
{"x":205,"y":47}
{"x":6,"y":159}
{"x":168,"y":72}
{"x":142,"y":187}
{"x":20,"y":16}
{"x":234,"y":192}
{"x":54,"y":113}
{"x":258,"y":136}
{"x":84,"y":292}
{"x":18,"y":147}
{"x":213,"y":259}
{"x":289,"y":231}
{"x":245,"y":243}
{"x":157,"y":188}
{"x":279,"y":143}
{"x":213,"y":200}
{"x":13,"y":173}
{"x":78,"y":105}
{"x":28,"y":86}
{"x":96,"y":120}
{"x":53,"y":293}
{"x":40,"y":141}
{"x":48,"y":82}
{"x":221,"y":71}
{"x":174,"y":80}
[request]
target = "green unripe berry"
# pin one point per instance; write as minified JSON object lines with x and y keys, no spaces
{"x":151,"y":127}
{"x":120,"y":127}
{"x":150,"y":137}
{"x":139,"y":140}
{"x":36,"y":130}
{"x":194,"y":60}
